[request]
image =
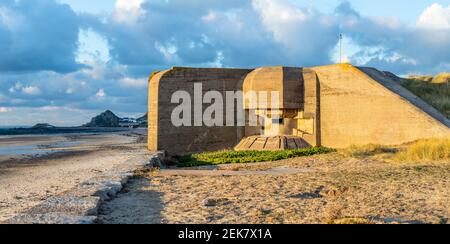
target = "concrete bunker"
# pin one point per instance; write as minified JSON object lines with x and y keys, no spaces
{"x":285,"y":102}
{"x":333,"y":106}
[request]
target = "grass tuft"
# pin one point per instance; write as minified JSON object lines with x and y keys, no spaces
{"x":365,"y":151}
{"x":235,"y":157}
{"x":430,"y":150}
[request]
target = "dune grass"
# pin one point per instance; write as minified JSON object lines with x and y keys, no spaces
{"x":430,"y":150}
{"x":426,"y":150}
{"x":365,"y":151}
{"x":426,"y":78}
{"x":436,"y":94}
{"x":234,"y":157}
{"x":441,"y":78}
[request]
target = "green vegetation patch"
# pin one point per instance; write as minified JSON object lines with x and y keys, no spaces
{"x":436,"y":94}
{"x":234,"y":157}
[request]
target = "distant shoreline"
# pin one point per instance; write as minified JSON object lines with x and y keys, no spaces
{"x":59,"y":130}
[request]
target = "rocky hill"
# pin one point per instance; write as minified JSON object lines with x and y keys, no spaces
{"x":109,"y":119}
{"x":43,"y":126}
{"x":105,"y":119}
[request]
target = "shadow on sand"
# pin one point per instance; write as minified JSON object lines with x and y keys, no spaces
{"x":136,"y":204}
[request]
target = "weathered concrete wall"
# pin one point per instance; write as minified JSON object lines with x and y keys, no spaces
{"x":153,"y":110}
{"x":311,"y":108}
{"x":284,"y":80}
{"x":182,"y":140}
{"x":357,"y":109}
{"x":338,"y":105}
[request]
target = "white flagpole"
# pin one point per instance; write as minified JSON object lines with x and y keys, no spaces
{"x":340,"y":45}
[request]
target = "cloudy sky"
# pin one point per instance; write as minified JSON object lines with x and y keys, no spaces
{"x":63,"y":61}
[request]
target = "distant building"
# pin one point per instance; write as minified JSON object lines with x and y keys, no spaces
{"x":334,"y":106}
{"x":129,"y":122}
{"x":143,"y":121}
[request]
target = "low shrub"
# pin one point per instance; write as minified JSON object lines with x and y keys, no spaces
{"x":233,"y":157}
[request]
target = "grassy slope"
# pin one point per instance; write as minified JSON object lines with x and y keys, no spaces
{"x":436,"y":94}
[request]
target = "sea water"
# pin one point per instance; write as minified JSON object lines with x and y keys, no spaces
{"x":41,"y":149}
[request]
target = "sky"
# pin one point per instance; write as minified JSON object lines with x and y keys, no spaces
{"x":64,"y":61}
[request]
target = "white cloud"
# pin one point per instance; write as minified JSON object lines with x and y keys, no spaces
{"x":306,"y":34}
{"x":168,"y":51}
{"x":10,"y":19}
{"x":49,"y":108}
{"x":140,"y":36}
{"x":129,"y":5}
{"x":277,"y":15}
{"x":389,"y":22}
{"x":435,"y":17}
{"x":133,"y":83}
{"x":100,"y":94}
{"x":398,"y":47}
{"x":61,"y":117}
{"x":27,"y":90}
{"x":22,"y":26}
{"x":211,"y":16}
{"x":4,"y":110}
{"x":15,"y":88}
{"x":128,"y":11}
{"x":97,"y":70}
{"x":31,"y":90}
{"x":92,"y":47}
{"x":70,"y":91}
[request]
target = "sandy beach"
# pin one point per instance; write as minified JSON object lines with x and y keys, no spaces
{"x":320,"y":189}
{"x":42,"y":173}
{"x":35,"y":168}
